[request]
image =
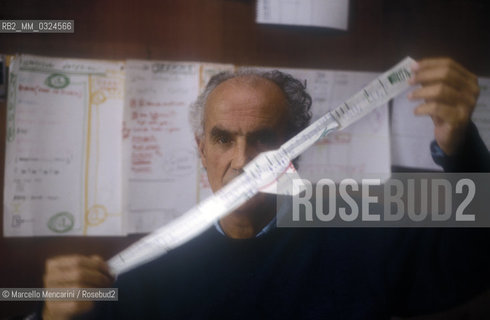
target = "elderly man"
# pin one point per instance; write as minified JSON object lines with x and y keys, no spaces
{"x":244,"y":267}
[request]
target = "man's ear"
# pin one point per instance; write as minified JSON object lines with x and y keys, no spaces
{"x":200,"y":147}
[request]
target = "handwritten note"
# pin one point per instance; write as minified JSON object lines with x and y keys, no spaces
{"x":162,"y":160}
{"x":62,"y":125}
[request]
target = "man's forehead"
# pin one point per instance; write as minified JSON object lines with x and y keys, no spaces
{"x":246,"y":88}
{"x":248,"y":79}
{"x":251,"y":82}
{"x":247,"y":104}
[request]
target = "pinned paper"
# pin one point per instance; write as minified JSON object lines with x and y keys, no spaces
{"x":316,"y":13}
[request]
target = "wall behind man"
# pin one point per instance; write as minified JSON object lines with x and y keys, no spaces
{"x":381,"y":32}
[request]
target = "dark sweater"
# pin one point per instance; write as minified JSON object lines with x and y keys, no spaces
{"x":307,"y":274}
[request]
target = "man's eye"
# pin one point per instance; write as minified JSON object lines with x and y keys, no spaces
{"x":223,"y":139}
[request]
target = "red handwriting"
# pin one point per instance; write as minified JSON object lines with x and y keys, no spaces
{"x":144,"y":150}
{"x":135,"y":103}
{"x":338,"y":138}
{"x":149,"y":121}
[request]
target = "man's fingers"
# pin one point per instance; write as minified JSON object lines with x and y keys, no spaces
{"x":76,"y":261}
{"x":77,"y":271}
{"x":70,"y":307}
{"x":451,"y":115}
{"x":449,"y":93}
{"x":442,"y":63}
{"x":101,"y":264}
{"x":443,"y":93}
{"x":446,"y":71}
{"x":450,"y":77}
{"x":73,"y":271}
{"x":76,"y":278}
{"x":59,"y":310}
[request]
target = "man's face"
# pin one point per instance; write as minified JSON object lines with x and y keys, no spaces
{"x":243,"y":117}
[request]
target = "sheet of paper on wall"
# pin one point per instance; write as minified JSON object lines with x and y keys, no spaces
{"x":161,"y":161}
{"x":63,"y":129}
{"x":317,"y":13}
{"x":412,"y":135}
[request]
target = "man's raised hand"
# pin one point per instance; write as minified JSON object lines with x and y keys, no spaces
{"x":74,"y":271}
{"x":449,"y":93}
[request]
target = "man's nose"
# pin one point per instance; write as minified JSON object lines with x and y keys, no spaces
{"x":244,"y":152}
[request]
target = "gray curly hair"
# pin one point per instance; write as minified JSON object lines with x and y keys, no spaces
{"x":299,"y":101}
